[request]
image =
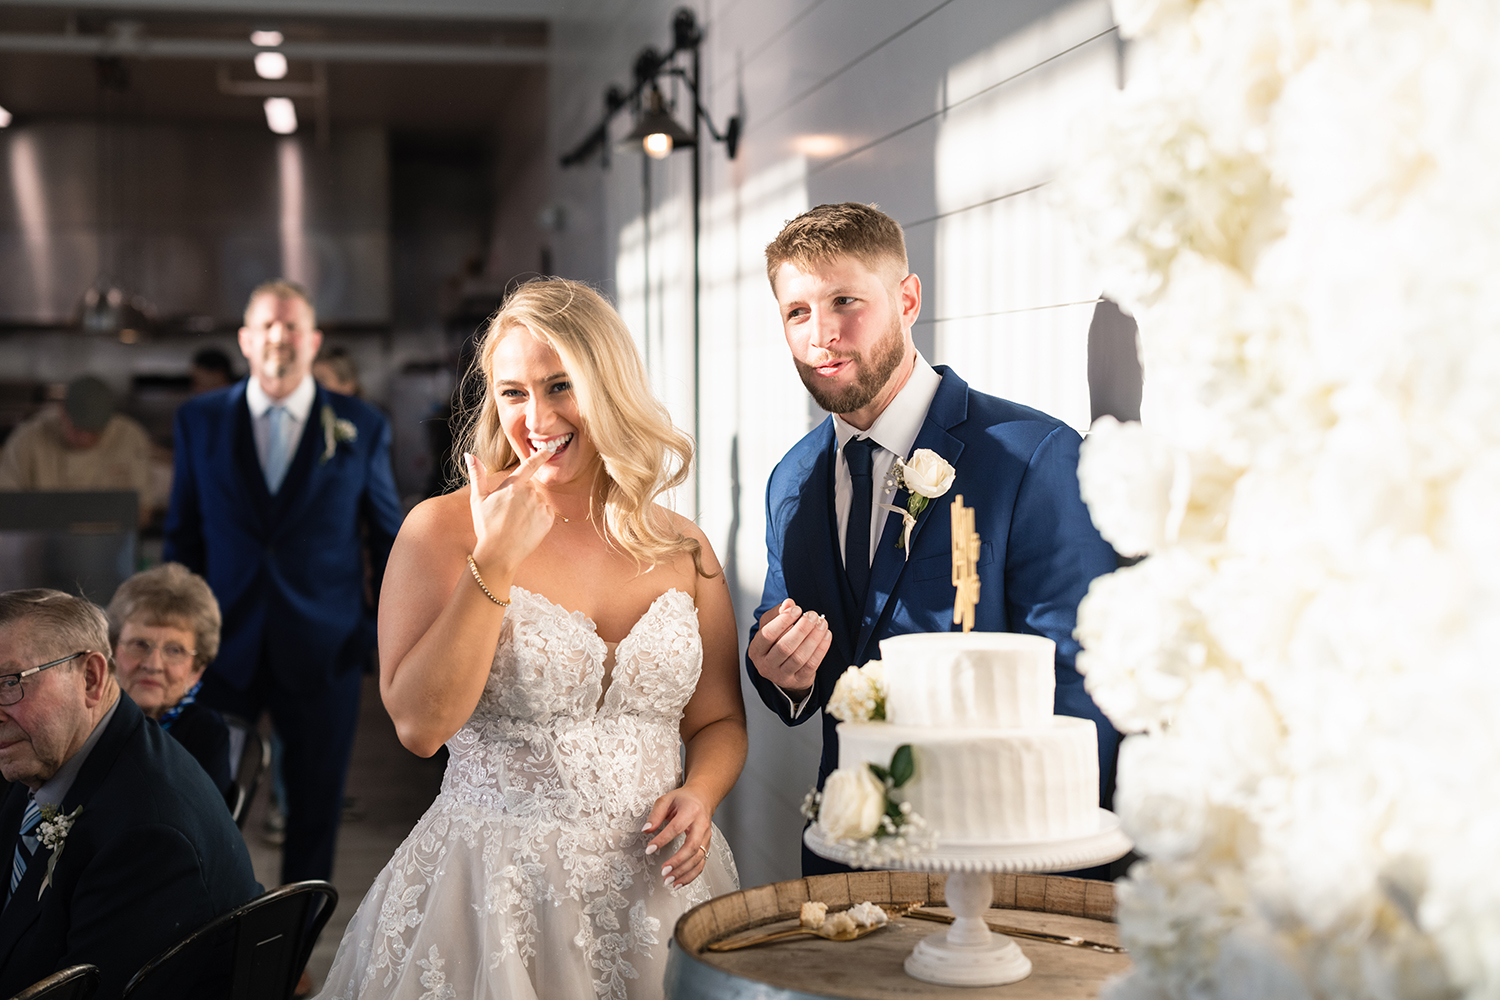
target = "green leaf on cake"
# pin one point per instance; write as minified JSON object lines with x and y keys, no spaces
{"x":879,"y":772}
{"x":901,"y":765}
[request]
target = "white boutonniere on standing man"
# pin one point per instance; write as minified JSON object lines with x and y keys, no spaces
{"x":335,"y":432}
{"x":51,"y":833}
{"x":925,"y":476}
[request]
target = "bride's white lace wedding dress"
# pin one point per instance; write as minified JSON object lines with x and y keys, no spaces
{"x":527,"y":877}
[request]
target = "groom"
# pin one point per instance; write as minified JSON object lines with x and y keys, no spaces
{"x":836,"y":583}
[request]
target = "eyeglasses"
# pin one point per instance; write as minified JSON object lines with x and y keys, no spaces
{"x":10,"y":685}
{"x":172,"y":654}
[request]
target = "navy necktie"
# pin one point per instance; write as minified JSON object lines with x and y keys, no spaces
{"x":26,"y":845}
{"x":857,"y":452}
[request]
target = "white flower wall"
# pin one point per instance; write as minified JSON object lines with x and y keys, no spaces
{"x":1299,"y":200}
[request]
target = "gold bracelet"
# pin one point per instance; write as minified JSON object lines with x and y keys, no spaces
{"x":480,"y":580}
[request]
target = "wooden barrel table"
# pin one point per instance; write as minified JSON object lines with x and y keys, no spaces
{"x":805,"y":968}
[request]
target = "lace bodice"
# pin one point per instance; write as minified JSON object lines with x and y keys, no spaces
{"x":549,"y":664}
{"x":540,"y":743}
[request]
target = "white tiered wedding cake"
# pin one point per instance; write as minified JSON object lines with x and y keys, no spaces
{"x":992,"y":764}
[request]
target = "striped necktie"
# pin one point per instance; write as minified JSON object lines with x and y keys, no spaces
{"x":26,"y":844}
{"x":278,"y":451}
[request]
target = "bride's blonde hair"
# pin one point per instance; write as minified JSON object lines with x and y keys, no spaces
{"x":643,"y":454}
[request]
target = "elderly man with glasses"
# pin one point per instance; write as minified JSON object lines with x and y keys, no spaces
{"x":116,"y":843}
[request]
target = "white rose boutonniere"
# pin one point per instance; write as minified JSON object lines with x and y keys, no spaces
{"x":859,"y":695}
{"x":925,"y":476}
{"x":52,"y":833}
{"x":336,"y":431}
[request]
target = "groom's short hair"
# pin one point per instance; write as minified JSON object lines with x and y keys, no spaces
{"x":848,"y":229}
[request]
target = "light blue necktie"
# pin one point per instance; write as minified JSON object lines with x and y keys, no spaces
{"x":278,"y":448}
{"x":26,"y":845}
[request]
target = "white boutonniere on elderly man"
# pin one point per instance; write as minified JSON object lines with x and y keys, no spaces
{"x":335,"y":432}
{"x":925,"y":476}
{"x":51,"y":833}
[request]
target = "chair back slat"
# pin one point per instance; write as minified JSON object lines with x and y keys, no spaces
{"x":77,"y":982}
{"x":263,"y":946}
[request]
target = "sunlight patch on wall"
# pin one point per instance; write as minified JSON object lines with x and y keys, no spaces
{"x":1015,"y":290}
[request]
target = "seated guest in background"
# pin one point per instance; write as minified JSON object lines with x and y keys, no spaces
{"x":211,"y":370}
{"x":81,"y":445}
{"x":164,"y":627}
{"x":117,"y":843}
{"x":335,"y":370}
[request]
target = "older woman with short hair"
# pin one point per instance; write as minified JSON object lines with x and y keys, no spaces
{"x":164,"y":627}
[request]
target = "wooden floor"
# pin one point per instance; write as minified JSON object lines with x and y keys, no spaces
{"x":390,"y":787}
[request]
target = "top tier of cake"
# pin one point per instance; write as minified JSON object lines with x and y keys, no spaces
{"x":969,"y":680}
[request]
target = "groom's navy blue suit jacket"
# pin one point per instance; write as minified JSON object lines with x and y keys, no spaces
{"x":292,"y":560}
{"x":152,"y":857}
{"x":1018,"y":469}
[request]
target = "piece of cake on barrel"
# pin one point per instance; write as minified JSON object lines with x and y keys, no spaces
{"x":990,"y":763}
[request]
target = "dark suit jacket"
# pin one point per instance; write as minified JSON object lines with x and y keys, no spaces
{"x":1018,"y":469}
{"x":202,"y":733}
{"x":288,"y":569}
{"x":152,"y":857}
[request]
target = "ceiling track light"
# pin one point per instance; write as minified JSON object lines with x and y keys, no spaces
{"x":281,"y":115}
{"x":270,"y":65}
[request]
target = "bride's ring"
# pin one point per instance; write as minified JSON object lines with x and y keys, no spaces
{"x":704,"y":849}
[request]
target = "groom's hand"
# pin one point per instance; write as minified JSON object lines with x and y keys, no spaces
{"x":789,"y":646}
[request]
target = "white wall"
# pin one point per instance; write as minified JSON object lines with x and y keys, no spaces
{"x":951,"y":116}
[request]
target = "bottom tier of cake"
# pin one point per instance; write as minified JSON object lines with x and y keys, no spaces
{"x":991,"y":786}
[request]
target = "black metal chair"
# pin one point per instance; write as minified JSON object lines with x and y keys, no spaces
{"x":250,"y":756}
{"x":77,"y":982}
{"x":255,"y":952}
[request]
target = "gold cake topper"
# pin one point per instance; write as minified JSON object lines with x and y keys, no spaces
{"x":965,"y":563}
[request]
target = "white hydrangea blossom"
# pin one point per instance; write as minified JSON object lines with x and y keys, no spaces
{"x":1299,"y":202}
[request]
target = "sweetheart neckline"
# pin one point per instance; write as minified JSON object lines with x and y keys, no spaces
{"x":593,"y":626}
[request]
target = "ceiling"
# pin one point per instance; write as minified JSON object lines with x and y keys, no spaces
{"x":453,"y":73}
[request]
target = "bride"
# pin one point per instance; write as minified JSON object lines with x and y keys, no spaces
{"x":560,"y":632}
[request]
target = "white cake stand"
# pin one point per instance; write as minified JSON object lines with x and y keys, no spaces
{"x":969,"y":953}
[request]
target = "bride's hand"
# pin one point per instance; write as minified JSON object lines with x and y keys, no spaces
{"x":511,"y":517}
{"x":677,"y":812}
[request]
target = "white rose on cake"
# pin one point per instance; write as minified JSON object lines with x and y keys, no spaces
{"x":859,"y":695}
{"x":853,"y":802}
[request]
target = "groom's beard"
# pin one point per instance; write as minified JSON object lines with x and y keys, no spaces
{"x":869,"y":378}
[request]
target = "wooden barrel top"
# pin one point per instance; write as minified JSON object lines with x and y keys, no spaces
{"x":871,"y":967}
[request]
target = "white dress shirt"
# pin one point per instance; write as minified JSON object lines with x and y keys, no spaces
{"x":895,"y":431}
{"x":298,"y":404}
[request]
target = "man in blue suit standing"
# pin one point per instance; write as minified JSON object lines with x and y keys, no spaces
{"x":282,"y":498}
{"x":837,"y":583}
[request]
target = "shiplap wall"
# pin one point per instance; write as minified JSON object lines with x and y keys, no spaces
{"x":951,"y":115}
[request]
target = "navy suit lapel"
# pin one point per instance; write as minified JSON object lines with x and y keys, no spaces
{"x":949,"y":408}
{"x":246,"y":460}
{"x":828,"y":566}
{"x":305,"y":462}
